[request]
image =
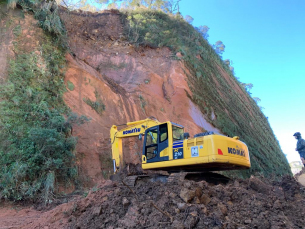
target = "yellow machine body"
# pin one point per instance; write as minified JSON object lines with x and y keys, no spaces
{"x":164,"y":148}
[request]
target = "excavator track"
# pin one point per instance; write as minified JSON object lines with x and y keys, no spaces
{"x":176,"y":177}
{"x":212,"y":178}
{"x":165,"y":177}
{"x":130,"y":180}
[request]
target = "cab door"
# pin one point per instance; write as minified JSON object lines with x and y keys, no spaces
{"x":156,"y":140}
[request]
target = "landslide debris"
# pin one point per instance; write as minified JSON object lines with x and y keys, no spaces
{"x":300,"y":177}
{"x":251,"y":203}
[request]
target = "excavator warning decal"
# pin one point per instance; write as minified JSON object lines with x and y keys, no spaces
{"x":194,"y":151}
{"x":178,"y":153}
{"x":220,"y":152}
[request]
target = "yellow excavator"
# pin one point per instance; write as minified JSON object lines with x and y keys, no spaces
{"x":167,"y":147}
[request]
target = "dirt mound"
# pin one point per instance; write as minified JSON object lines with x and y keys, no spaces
{"x":252,"y":203}
{"x":300,"y":177}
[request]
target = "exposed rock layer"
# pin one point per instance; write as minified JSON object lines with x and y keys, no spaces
{"x":133,"y":83}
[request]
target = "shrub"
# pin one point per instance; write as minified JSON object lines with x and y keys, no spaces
{"x":36,"y":142}
{"x":46,"y":12}
{"x":70,"y":85}
{"x":98,"y":105}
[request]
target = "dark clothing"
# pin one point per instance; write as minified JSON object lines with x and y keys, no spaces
{"x":301,"y":147}
{"x":302,"y":154}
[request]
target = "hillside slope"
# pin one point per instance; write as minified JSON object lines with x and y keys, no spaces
{"x":132,"y":83}
{"x":140,"y":78}
{"x":126,"y":66}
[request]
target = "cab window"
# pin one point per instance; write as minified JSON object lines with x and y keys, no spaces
{"x":151,"y":149}
{"x":163,"y":133}
{"x":177,"y":133}
{"x":152,"y":137}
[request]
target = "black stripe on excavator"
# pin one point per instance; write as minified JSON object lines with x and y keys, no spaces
{"x":177,"y":146}
{"x":178,"y":142}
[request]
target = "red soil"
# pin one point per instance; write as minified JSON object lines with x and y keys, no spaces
{"x":133,"y":83}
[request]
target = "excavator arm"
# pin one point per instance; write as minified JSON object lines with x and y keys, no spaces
{"x":132,"y":129}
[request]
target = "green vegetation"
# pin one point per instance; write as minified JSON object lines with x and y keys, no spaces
{"x":36,"y":142}
{"x":110,"y":65}
{"x":168,"y":6}
{"x":143,"y":102}
{"x":17,"y":30}
{"x":235,"y":111}
{"x":47,"y":16}
{"x":36,"y":146}
{"x":70,"y":85}
{"x":98,"y":105}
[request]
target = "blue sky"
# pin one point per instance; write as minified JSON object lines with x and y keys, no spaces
{"x":266,"y":42}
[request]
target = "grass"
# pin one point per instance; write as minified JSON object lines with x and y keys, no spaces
{"x":96,"y":105}
{"x":236,"y":113}
{"x":142,"y":102}
{"x":17,"y":31}
{"x":110,"y":65}
{"x":70,"y":85}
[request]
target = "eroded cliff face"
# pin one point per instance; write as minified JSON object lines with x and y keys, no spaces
{"x":133,"y":83}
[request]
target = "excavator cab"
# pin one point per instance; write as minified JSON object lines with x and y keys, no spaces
{"x":156,"y":140}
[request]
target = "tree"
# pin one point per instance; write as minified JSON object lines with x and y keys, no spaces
{"x":219,"y":47}
{"x":88,"y":5}
{"x":232,"y":70}
{"x":227,"y":62}
{"x":256,"y":99}
{"x":248,"y":87}
{"x":189,"y":19}
{"x":203,"y":30}
{"x":167,"y":6}
{"x":171,"y":6}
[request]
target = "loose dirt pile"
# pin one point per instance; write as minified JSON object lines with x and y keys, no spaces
{"x":252,"y":203}
{"x":300,"y":177}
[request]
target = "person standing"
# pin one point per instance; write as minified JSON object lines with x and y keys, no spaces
{"x":300,"y":146}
